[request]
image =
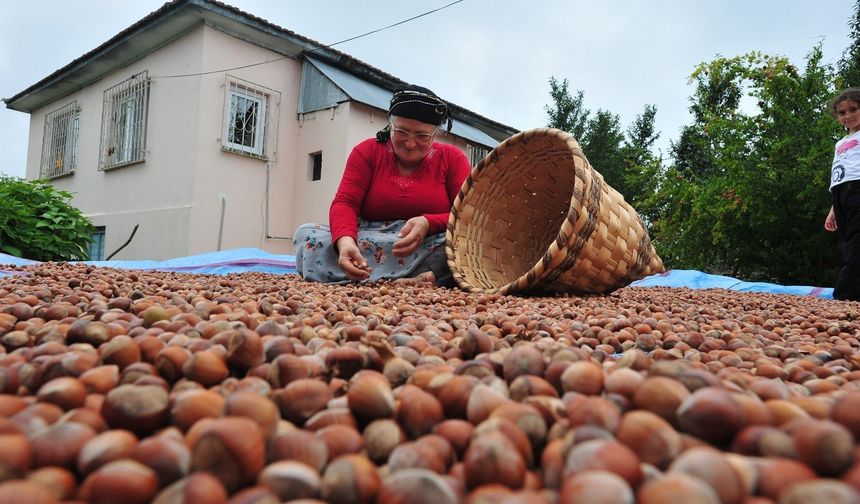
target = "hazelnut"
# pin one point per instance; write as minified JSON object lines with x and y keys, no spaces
{"x":197,"y":487}
{"x":132,"y":480}
{"x":59,"y":445}
{"x":231,"y":448}
{"x":141,"y":409}
{"x":189,"y":406}
{"x":256,"y":407}
{"x":820,"y":491}
{"x":661,"y":395}
{"x":59,"y":481}
{"x":412,"y":455}
{"x":244,"y":349}
{"x":103,"y":448}
{"x":350,"y":479}
{"x":166,"y":454}
{"x":301,"y":398}
{"x":260,"y":494}
{"x":650,"y":436}
{"x":101,"y":379}
{"x":341,"y":439}
{"x":300,"y":445}
{"x":583,"y":377}
{"x":457,"y":432}
{"x":678,"y":487}
{"x":369,"y":396}
{"x":711,"y":414}
{"x":206,"y":367}
{"x":31,"y":492}
{"x":596,"y":486}
{"x":523,"y":360}
{"x":120,"y":350}
{"x":604,"y":454}
{"x":492,"y":458}
{"x":827,"y":447}
{"x":776,"y":474}
{"x":16,"y":456}
{"x":381,"y":437}
{"x":418,"y":411}
{"x":290,"y":480}
{"x":417,"y":486}
{"x":710,"y":466}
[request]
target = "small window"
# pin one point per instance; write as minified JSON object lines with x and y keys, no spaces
{"x":476,"y":154}
{"x":60,"y":141}
{"x":250,"y":119}
{"x":316,"y":166}
{"x":124,"y":119}
{"x":97,"y":244}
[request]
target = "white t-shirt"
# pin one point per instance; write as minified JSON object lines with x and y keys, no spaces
{"x":846,"y":161}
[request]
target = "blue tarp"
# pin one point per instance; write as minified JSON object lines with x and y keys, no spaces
{"x":220,"y":263}
{"x":698,"y":280}
{"x":253,"y":259}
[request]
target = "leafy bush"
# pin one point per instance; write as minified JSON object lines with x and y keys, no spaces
{"x":37,"y":222}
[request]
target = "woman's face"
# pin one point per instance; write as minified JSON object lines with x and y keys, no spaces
{"x":411,"y":139}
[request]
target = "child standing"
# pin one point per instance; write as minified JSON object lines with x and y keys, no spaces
{"x":844,"y":215}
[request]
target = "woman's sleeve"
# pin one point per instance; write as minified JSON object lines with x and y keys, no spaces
{"x":458,"y":169}
{"x":346,"y":206}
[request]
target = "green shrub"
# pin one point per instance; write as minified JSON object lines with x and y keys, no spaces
{"x":37,"y":222}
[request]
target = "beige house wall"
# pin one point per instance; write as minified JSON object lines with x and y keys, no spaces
{"x":238,"y":182}
{"x":190,"y":196}
{"x":156,"y":193}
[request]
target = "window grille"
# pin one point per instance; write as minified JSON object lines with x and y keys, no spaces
{"x":124,"y":116}
{"x":250,"y":119}
{"x":60,"y":141}
{"x":97,"y":244}
{"x":476,"y":154}
{"x":316,"y":166}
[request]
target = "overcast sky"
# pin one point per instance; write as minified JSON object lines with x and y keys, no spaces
{"x":491,"y":56}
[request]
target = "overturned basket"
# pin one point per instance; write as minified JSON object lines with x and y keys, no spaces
{"x":534,"y":216}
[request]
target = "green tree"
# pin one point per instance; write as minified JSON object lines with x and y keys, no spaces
{"x":602,"y":146}
{"x":603,"y":140}
{"x":747,"y":194}
{"x":849,"y":65}
{"x":37,"y":222}
{"x":567,"y":112}
{"x":642,"y":167}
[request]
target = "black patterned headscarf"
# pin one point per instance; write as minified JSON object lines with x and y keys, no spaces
{"x":419,"y":103}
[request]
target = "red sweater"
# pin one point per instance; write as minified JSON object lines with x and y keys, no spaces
{"x":373,"y":188}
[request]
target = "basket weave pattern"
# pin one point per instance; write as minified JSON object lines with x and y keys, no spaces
{"x":534,"y":216}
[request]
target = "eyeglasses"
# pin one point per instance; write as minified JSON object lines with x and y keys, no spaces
{"x":402,"y":135}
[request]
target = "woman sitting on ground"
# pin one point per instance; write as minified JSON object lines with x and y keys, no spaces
{"x":388,"y":218}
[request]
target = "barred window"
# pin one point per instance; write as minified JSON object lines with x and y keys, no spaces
{"x":124,"y":118}
{"x":60,"y":141}
{"x":247,"y":112}
{"x":476,"y":154}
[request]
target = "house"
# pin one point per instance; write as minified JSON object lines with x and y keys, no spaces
{"x":211,"y":129}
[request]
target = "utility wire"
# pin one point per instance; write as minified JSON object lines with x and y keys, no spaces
{"x":314,"y":49}
{"x":389,"y":26}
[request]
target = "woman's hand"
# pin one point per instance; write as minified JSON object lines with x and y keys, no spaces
{"x":411,"y":236}
{"x":350,"y":260}
{"x":830,"y":221}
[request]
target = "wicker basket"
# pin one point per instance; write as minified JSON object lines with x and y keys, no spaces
{"x":535,"y":217}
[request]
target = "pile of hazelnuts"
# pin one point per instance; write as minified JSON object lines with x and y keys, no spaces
{"x":145,"y":386}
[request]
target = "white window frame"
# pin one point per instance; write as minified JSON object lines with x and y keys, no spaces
{"x":124,"y":121}
{"x":60,"y":141}
{"x":260,"y":139}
